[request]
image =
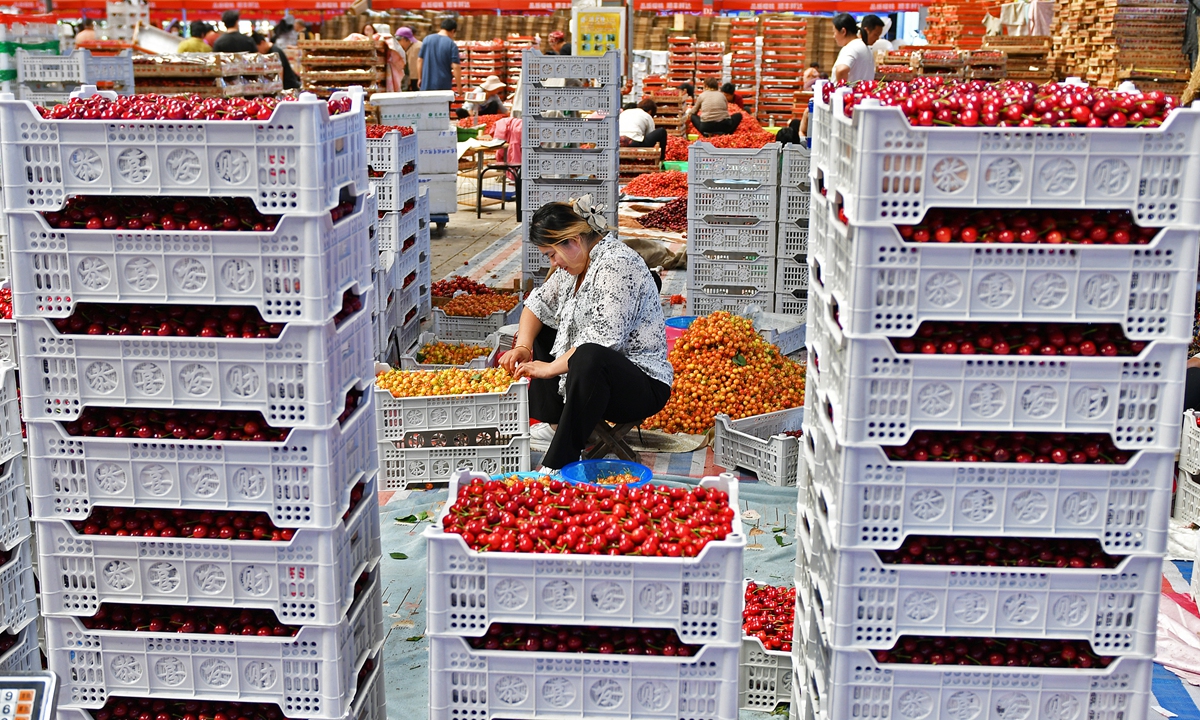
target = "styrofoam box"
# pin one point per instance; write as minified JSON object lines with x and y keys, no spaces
{"x":699,"y":303}
{"x":887,"y":286}
{"x":861,"y":602}
{"x":795,"y":165}
{"x":700,"y":597}
{"x":791,"y":277}
{"x":298,"y":161}
{"x":757,"y":443}
{"x":538,"y":132}
{"x":14,"y":503}
{"x":394,"y":190}
{"x":78,"y":68}
{"x":1187,"y":498}
{"x":791,"y":305}
{"x":304,"y":481}
{"x":25,"y":656}
{"x":409,"y":362}
{"x":442,"y":191}
{"x":876,"y":395}
{"x":96,"y":664}
{"x":764,"y":677}
{"x":506,"y":412}
{"x":464,"y":682}
{"x":537,"y":67}
{"x":714,"y":201}
{"x":759,"y":165}
{"x":427,"y":110}
{"x":566,"y":165}
{"x":729,"y":278}
{"x":437,"y":151}
{"x":403,"y":466}
{"x":391,"y":152}
{"x":793,"y":241}
{"x":1124,"y":507}
{"x":456,"y":327}
{"x":1189,"y":444}
{"x":18,"y":594}
{"x":299,"y":379}
{"x":542,"y":192}
{"x":397,"y":227}
{"x":747,"y":239}
{"x":307,"y":580}
{"x":298,"y":271}
{"x":850,"y":683}
{"x":888,"y":171}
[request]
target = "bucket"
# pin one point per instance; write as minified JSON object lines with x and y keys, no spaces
{"x":675,"y":328}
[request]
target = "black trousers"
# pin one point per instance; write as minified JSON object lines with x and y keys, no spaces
{"x":657,"y":136}
{"x":728,"y":126}
{"x":1191,"y":389}
{"x":601,"y":385}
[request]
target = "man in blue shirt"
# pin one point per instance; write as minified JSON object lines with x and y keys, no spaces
{"x":438,"y":64}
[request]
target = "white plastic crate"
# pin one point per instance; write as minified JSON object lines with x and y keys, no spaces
{"x":1189,"y":444}
{"x":700,"y":303}
{"x":455,"y":327}
{"x":383,"y":279}
{"x":299,"y":379}
{"x":95,"y":664}
{"x":11,"y":443}
{"x":888,"y":171}
{"x":791,"y":305}
{"x":464,"y":682}
{"x":81,"y":67}
{"x":764,"y":677}
{"x":14,"y":503}
{"x":395,"y":189}
{"x":307,"y":580}
{"x":442,"y":192}
{"x":861,"y":602}
{"x":8,"y":334}
{"x":1187,"y":499}
{"x":757,"y":443}
{"x":791,"y":277}
{"x":886,"y":286}
{"x":820,"y":123}
{"x":298,"y":161}
{"x":715,"y":201}
{"x":298,"y":271}
{"x":794,"y":204}
{"x":543,"y":192}
{"x":873,"y":502}
{"x":396,"y":227}
{"x":304,"y":481}
{"x":404,"y":337}
{"x":18,"y":593}
{"x":754,"y":238}
{"x":793,"y":241}
{"x":876,"y":395}
{"x":538,"y":132}
{"x":603,"y":69}
{"x":427,"y":110}
{"x":403,"y":467}
{"x":542,"y":100}
{"x":755,"y":165}
{"x":787,"y":340}
{"x":729,"y":278}
{"x":391,"y":152}
{"x":796,"y":161}
{"x":700,"y":597}
{"x":567,"y":165}
{"x":409,"y":362}
{"x":25,"y":656}
{"x":506,"y":414}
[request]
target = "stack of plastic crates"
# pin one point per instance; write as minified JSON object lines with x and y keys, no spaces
{"x":471,"y":592}
{"x":37,"y":34}
{"x":50,"y":79}
{"x":437,"y":141}
{"x":732,"y":230}
{"x":791,"y":270}
{"x":402,"y":272}
{"x":204,"y":494}
{"x":983,"y":526}
{"x":570,"y":139}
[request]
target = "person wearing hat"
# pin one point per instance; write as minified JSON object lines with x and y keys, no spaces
{"x":558,"y":43}
{"x":412,"y":48}
{"x":493,"y":103}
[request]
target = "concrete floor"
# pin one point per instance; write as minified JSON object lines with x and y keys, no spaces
{"x":465,"y":236}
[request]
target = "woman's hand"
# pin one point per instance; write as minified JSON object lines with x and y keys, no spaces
{"x":510,"y":359}
{"x":536,"y":370}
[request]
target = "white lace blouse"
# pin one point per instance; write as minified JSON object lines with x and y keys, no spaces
{"x":617,"y":306}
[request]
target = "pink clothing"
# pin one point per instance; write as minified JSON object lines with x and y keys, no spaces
{"x":509,"y":129}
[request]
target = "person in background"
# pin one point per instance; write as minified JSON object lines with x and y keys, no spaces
{"x":284,"y":33}
{"x":811,"y":75}
{"x":688,"y":90}
{"x":412,"y":48}
{"x":710,"y":115}
{"x":175,"y":28}
{"x":558,"y":43}
{"x":301,"y":29}
{"x":368,"y":30}
{"x":232,"y":40}
{"x":729,"y":90}
{"x":264,"y":46}
{"x":493,"y":104}
{"x":210,"y":37}
{"x":86,"y":33}
{"x":881,"y":44}
{"x":871,"y":30}
{"x":195,"y":41}
{"x":438,"y":63}
{"x":636,"y":125}
{"x":855,"y":62}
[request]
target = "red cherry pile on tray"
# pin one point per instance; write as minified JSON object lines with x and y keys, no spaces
{"x":182,"y":523}
{"x":1053,"y":227}
{"x":202,"y":214}
{"x":408,"y":207}
{"x":167,"y":321}
{"x":768,"y":614}
{"x":580,"y":639}
{"x":1000,"y":552}
{"x":961,"y":338}
{"x":1009,"y":447}
{"x":174,"y":107}
{"x":209,"y":425}
{"x":201,"y":620}
{"x":342,"y":209}
{"x":378,"y":131}
{"x":928,"y":101}
{"x":994,"y":652}
{"x":6,"y":303}
{"x":460,"y":284}
{"x":529,"y":517}
{"x":7,"y":641}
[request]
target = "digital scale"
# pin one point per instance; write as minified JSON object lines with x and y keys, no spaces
{"x":29,"y":696}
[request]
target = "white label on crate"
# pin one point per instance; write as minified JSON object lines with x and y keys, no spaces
{"x":259,"y":674}
{"x":118,"y":574}
{"x":196,"y":379}
{"x":995,"y":290}
{"x":1039,"y":401}
{"x":654,"y":695}
{"x":656,"y":598}
{"x":964,"y":705}
{"x":605,"y":693}
{"x":914,"y":704}
{"x":133,"y":164}
{"x":110,"y":477}
{"x":1080,"y":507}
{"x":203,"y":481}
{"x":986,"y":399}
{"x":190,"y":274}
{"x":950,"y":174}
{"x":101,"y":377}
{"x":970,"y":607}
{"x":558,"y":595}
{"x":1058,"y":176}
{"x":125,"y":669}
{"x":183,"y":166}
{"x":1020,"y":608}
{"x":255,"y":580}
{"x":170,"y":671}
{"x":209,"y":578}
{"x":141,"y":273}
{"x":920,"y":606}
{"x":1061,"y":707}
{"x":935,"y":399}
{"x":216,"y":673}
{"x":511,"y":594}
{"x":249,"y":482}
{"x":1070,"y":609}
{"x":608,"y":597}
{"x":1102,"y":291}
{"x":1029,"y":507}
{"x":978,"y":505}
{"x":1004,"y":175}
{"x":93,"y":273}
{"x":1013,"y":706}
{"x":943,"y":289}
{"x":232,"y":166}
{"x":148,"y":378}
{"x":927,"y":504}
{"x":1049,"y":291}
{"x":1112,"y":177}
{"x":511,"y":690}
{"x":163,"y":576}
{"x":85,"y":164}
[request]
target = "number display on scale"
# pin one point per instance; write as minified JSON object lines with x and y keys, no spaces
{"x":28,"y":697}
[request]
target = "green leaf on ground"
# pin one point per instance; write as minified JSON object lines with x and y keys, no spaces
{"x":398,"y":556}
